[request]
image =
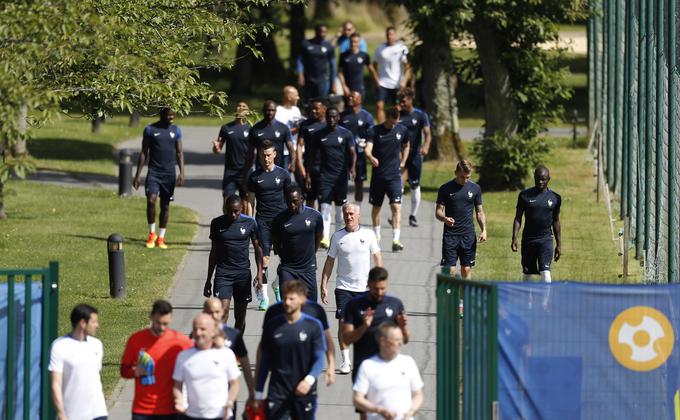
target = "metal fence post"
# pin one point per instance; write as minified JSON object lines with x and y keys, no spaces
{"x":672,"y":147}
{"x":649,"y":134}
{"x":640,"y":220}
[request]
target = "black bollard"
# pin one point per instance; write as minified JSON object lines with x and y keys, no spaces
{"x":125,"y":173}
{"x":117,"y":288}
{"x":574,"y":121}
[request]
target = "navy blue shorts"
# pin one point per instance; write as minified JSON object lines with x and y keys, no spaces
{"x":231,"y":183}
{"x":381,"y":187}
{"x":316,"y":88}
{"x":537,"y":255}
{"x":294,"y":407}
{"x":162,"y":185}
{"x":360,"y":167}
{"x":312,"y":192}
{"x":333,"y":190}
{"x":455,"y":247}
{"x":388,"y":96}
{"x":264,"y":230}
{"x":233,"y":285}
{"x":308,"y":278}
{"x":341,"y":299}
{"x":414,"y":169}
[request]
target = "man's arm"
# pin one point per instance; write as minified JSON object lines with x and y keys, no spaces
{"x":350,"y":334}
{"x":140,"y":161}
{"x":341,"y":77}
{"x":179,"y":151}
{"x":292,"y":154}
{"x":372,"y":68}
{"x":276,"y":238}
{"x":259,"y":261}
{"x":330,"y":358}
{"x":212,"y":261}
{"x":234,"y":387}
{"x":249,"y":160}
{"x":557,"y":231}
{"x":248,"y":376}
{"x":325,"y":276}
{"x":407,"y":75}
{"x":178,"y":397}
{"x":440,"y":214}
{"x":425,"y":149}
{"x":300,"y":69}
{"x":57,"y":395}
{"x":377,"y":259}
{"x":404,"y":154}
{"x":516,"y":225}
{"x":369,"y":154}
{"x":128,"y":362}
{"x":251,"y":200}
{"x":417,"y":398}
{"x":363,"y":404}
{"x":481,"y":221}
{"x":352,"y":157}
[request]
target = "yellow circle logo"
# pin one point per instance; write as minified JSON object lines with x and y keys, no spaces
{"x":641,"y":338}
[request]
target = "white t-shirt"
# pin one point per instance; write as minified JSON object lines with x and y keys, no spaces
{"x":206,"y":375}
{"x":352,"y":252}
{"x":390,"y":60}
{"x":79,"y":362}
{"x":290,"y":117}
{"x":389,"y":384}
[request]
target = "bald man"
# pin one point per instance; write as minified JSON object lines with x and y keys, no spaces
{"x":288,"y":113}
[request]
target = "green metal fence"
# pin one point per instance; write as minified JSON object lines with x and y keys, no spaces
{"x":633,"y":99}
{"x":467,"y":349}
{"x":49,"y":277}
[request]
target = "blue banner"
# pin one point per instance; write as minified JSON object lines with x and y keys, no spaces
{"x":585,"y":351}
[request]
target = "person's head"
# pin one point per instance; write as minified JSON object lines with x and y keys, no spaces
{"x":269,"y":110}
{"x":391,"y":35}
{"x":294,"y":295}
{"x":203,"y":331}
{"x":332,"y":117}
{"x":317,"y":107}
{"x":541,"y":177}
{"x":377,"y":283}
{"x":463,"y":171}
{"x":242,"y":110}
{"x":85,"y":318}
{"x":213,"y":307}
{"x":161,"y":316}
{"x":391,"y":116}
{"x":354,"y":42}
{"x":320,"y":31}
{"x":390,"y":339}
{"x":294,"y":199}
{"x":290,"y":95}
{"x":347,"y":28}
{"x":167,"y":115}
{"x":406,"y":96}
{"x":267,"y":154}
{"x":354,"y":99}
{"x":351,"y":213}
{"x":233,"y":206}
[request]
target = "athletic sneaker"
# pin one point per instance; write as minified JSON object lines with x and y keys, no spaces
{"x":412,"y":221}
{"x":397,"y":246}
{"x":345,"y":368}
{"x":160,"y":243}
{"x":264,"y":304}
{"x":325,"y":243}
{"x":151,"y":240}
{"x":277,"y":294}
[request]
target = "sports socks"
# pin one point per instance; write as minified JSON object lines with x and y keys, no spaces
{"x":396,"y":233}
{"x":545,"y":276}
{"x":161,"y":233}
{"x":345,"y":356}
{"x":326,"y":217}
{"x":376,"y":229}
{"x":415,"y":200}
{"x":338,"y":217}
{"x":152,"y":228}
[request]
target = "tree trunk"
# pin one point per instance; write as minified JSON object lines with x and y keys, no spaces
{"x":3,"y":215}
{"x":97,"y":124}
{"x":134,"y":118}
{"x":322,"y":9}
{"x":19,"y":147}
{"x":242,"y":73}
{"x":297,"y":25}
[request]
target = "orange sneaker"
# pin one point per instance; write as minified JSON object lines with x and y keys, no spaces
{"x":160,"y":243}
{"x":151,"y":240}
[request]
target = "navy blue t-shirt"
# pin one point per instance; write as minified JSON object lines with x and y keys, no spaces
{"x":307,"y":130}
{"x":310,"y":308}
{"x":291,"y":349}
{"x":316,"y":58}
{"x":276,"y":132}
{"x":234,"y":339}
{"x":268,"y":188}
{"x":235,"y":137}
{"x":162,"y":146}
{"x":415,"y":121}
{"x":539,"y":210}
{"x":385,"y":311}
{"x":334,"y":148}
{"x":232,"y":241}
{"x":297,"y":234}
{"x":387,"y":146}
{"x":459,"y":202}
{"x":352,"y":67}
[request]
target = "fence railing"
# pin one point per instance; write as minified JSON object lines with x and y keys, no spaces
{"x":16,"y":402}
{"x":467,"y":349}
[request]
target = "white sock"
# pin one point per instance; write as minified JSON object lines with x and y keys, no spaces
{"x":359,"y":203}
{"x":326,"y":216}
{"x":339,"y":221}
{"x":345,"y":355}
{"x":275,"y":283}
{"x":526,"y":277}
{"x":264,"y":290}
{"x":376,"y":229}
{"x":161,"y":233}
{"x":545,"y":276}
{"x":395,"y":234}
{"x":152,"y":228}
{"x":415,"y":201}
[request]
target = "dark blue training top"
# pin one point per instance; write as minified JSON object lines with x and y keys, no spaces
{"x":297,"y":234}
{"x":385,"y":311}
{"x":358,"y":123}
{"x":310,"y":308}
{"x":235,"y":341}
{"x":276,"y":132}
{"x":334,"y":150}
{"x":235,"y":137}
{"x":268,"y":188}
{"x":232,"y":241}
{"x":459,"y":202}
{"x":387,"y":146}
{"x":317,"y":59}
{"x":290,"y":352}
{"x":162,"y":146}
{"x":415,"y":121}
{"x":307,"y":129}
{"x":540,"y":208}
{"x":352,"y":67}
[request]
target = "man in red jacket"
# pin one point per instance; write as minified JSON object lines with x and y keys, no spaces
{"x":149,"y":358}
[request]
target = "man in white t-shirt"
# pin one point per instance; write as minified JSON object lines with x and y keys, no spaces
{"x":353,"y":247}
{"x":389,"y":384}
{"x":209,"y":374}
{"x":75,"y":363}
{"x":391,"y":74}
{"x":289,"y":114}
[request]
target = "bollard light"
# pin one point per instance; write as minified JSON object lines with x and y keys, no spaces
{"x":125,"y":173}
{"x":117,"y":289}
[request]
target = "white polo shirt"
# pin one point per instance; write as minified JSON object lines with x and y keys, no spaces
{"x":206,"y":375}
{"x":390,"y":60}
{"x":79,"y":362}
{"x":352,"y":252}
{"x":290,"y":117}
{"x":389,"y":384}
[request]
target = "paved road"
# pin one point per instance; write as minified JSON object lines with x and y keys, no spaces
{"x":412,"y":278}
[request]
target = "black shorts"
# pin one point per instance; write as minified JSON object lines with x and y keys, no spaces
{"x":264,"y":230}
{"x":333,"y":189}
{"x":381,"y":187}
{"x":414,"y":169}
{"x":360,"y":167}
{"x":233,"y":285}
{"x":388,"y":96}
{"x":455,"y":247}
{"x":308,"y":278}
{"x":537,"y":255}
{"x":313,"y":192}
{"x":341,"y":299}
{"x":162,"y":185}
{"x":231,"y":183}
{"x":296,"y":408}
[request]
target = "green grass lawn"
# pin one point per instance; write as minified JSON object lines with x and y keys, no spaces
{"x":70,"y":225}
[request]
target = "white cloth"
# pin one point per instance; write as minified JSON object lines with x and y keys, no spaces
{"x":352,"y":252}
{"x":290,"y":117}
{"x":389,"y":384}
{"x":206,"y":375}
{"x":79,"y":362}
{"x":390,"y":60}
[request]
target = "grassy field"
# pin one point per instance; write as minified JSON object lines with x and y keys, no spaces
{"x":71,"y":225}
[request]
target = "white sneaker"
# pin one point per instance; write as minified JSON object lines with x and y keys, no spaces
{"x":345,"y":368}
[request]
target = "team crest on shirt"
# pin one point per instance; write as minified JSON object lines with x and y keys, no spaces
{"x":340,"y":140}
{"x":243,"y":231}
{"x":389,"y":312}
{"x":308,"y":222}
{"x":360,"y":60}
{"x":172,"y":135}
{"x":470,"y":194}
{"x":303,"y":336}
{"x":360,"y":122}
{"x":414,"y":121}
{"x":324,"y":49}
{"x":277,"y":134}
{"x":398,"y":136}
{"x":362,"y":241}
{"x":245,"y":133}
{"x":277,"y":180}
{"x":550,"y":203}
